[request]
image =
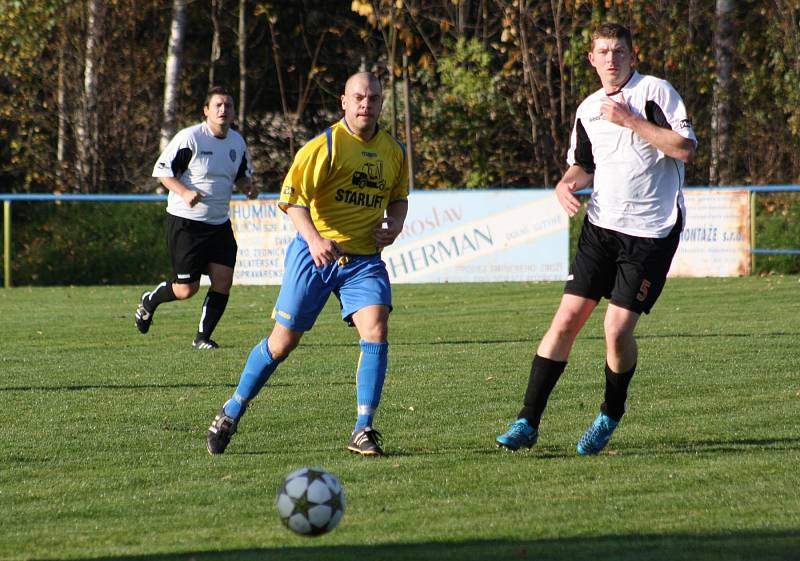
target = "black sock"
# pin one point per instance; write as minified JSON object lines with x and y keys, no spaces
{"x":616,"y":392}
{"x":213,"y":308}
{"x":544,"y":375}
{"x":160,"y":294}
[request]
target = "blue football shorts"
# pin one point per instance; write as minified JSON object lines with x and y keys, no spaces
{"x":357,"y":281}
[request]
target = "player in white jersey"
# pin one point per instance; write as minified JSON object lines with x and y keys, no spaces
{"x":200,"y":167}
{"x":630,"y":141}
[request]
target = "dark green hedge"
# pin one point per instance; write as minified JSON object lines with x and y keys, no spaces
{"x":88,"y":243}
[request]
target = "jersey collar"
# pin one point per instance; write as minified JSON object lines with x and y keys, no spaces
{"x":622,"y":87}
{"x":377,"y":130}
{"x":211,"y":133}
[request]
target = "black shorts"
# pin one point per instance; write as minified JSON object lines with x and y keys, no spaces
{"x":628,"y":270}
{"x":193,"y":245}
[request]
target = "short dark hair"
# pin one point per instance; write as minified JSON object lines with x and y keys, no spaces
{"x":216,"y":90}
{"x":613,"y":31}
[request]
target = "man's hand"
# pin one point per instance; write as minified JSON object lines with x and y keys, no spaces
{"x":615,"y":112}
{"x":387,"y":231}
{"x":566,"y":199}
{"x":324,"y":251}
{"x":249,"y":189}
{"x":191,"y":197}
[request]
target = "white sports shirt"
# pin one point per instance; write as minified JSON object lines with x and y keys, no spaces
{"x":637,"y":188}
{"x":206,"y":164}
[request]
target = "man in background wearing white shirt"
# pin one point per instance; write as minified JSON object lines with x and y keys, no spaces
{"x":200,"y":167}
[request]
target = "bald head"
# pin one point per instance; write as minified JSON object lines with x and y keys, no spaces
{"x":360,"y":79}
{"x":361,"y":103}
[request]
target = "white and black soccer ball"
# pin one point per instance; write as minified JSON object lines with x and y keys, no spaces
{"x":310,"y":501}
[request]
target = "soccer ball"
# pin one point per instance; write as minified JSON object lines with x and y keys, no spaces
{"x":310,"y":501}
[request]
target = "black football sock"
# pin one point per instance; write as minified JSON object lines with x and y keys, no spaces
{"x":213,"y":308}
{"x":616,"y":392}
{"x":159,"y":295}
{"x":544,"y":376}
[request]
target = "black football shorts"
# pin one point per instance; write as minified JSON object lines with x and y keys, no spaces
{"x":629,"y":271}
{"x":193,"y":245}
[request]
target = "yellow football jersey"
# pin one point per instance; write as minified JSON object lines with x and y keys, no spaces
{"x":347,"y":183}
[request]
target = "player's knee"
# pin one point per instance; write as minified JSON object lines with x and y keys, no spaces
{"x":281,"y":343}
{"x":281,"y":350}
{"x":617,"y":336}
{"x":221,"y":283}
{"x":184,"y":291}
{"x":375,"y":334}
{"x":566,"y":325}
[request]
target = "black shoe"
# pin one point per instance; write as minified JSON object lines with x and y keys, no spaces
{"x":366,"y":442}
{"x":220,"y":432}
{"x":143,"y":316}
{"x":202,"y":343}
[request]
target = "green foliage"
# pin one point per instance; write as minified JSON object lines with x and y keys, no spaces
{"x":27,"y":61}
{"x":462,"y":114}
{"x":104,"y":456}
{"x":88,"y":243}
{"x":479,"y":120}
{"x":769,"y":55}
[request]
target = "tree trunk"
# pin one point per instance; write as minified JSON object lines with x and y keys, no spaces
{"x":61,"y":101}
{"x":281,"y":87}
{"x":720,"y":169}
{"x":531,"y":95}
{"x":409,"y":143}
{"x":242,"y":66}
{"x":392,"y":85}
{"x":173,"y":69}
{"x":87,"y":131}
{"x":216,"y":45}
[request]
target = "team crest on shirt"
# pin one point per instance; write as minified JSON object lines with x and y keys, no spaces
{"x":232,"y":154}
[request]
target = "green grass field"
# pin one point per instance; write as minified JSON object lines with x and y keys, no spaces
{"x":103,"y":448}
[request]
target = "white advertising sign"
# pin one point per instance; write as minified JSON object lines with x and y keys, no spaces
{"x":509,"y":235}
{"x":262,"y":233}
{"x":480,"y":236}
{"x":449,"y":236}
{"x":716,"y":238}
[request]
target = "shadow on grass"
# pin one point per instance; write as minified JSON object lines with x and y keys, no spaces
{"x":693,"y":447}
{"x":112,"y":387}
{"x":738,"y":546}
{"x":734,"y":445}
{"x":534,"y":338}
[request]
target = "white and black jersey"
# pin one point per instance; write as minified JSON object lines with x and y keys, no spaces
{"x":207,"y":164}
{"x":637,"y":188}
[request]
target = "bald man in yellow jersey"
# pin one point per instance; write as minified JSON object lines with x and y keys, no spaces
{"x":346,"y":193}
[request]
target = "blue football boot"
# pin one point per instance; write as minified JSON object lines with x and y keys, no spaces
{"x":597,"y":436}
{"x":520,"y":433}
